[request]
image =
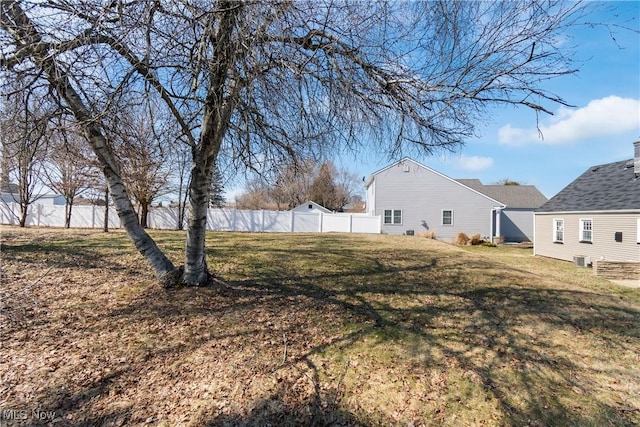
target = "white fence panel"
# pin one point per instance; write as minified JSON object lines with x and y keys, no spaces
{"x":217,"y":219}
{"x":277,"y":221}
{"x":163,"y":218}
{"x":114,"y":219}
{"x":366,"y":224}
{"x":85,"y":216}
{"x":248,"y":221}
{"x":221,"y":219}
{"x":306,"y":222}
{"x":50,"y":215}
{"x":336,"y":222}
{"x":9,"y":213}
{"x":32,"y":215}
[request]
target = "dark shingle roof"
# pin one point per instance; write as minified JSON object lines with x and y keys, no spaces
{"x":607,"y":187}
{"x":512,"y":196}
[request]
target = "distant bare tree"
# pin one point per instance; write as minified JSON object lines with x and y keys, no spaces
{"x":145,"y":150}
{"x":348,"y":189}
{"x":300,"y":181}
{"x":182,"y":160}
{"x":293,"y":183}
{"x":253,"y":82}
{"x":25,"y":132}
{"x":70,"y":167}
{"x":256,"y":196}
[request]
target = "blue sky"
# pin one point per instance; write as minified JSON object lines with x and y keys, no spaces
{"x":600,"y":129}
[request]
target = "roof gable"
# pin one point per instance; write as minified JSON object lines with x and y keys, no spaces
{"x":310,"y":205}
{"x":607,"y":187}
{"x":407,"y":159}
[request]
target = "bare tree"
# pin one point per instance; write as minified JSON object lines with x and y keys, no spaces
{"x":25,"y":131}
{"x":253,"y":82}
{"x":70,"y":167}
{"x":182,"y":161}
{"x":293,"y":183}
{"x":348,"y":189}
{"x":144,"y":149}
{"x":256,"y":196}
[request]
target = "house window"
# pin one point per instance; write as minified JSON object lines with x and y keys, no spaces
{"x":558,"y":230}
{"x":586,"y":230}
{"x":393,"y":216}
{"x":447,"y":217}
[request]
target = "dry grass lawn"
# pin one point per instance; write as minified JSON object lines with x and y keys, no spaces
{"x":311,"y":329}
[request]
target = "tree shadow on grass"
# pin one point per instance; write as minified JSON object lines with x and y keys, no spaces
{"x":494,"y":335}
{"x":537,"y":379}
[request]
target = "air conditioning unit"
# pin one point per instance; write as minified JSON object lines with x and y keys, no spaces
{"x":581,"y":260}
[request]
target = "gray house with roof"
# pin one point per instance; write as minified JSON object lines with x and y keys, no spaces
{"x":516,"y":219}
{"x":412,"y":198}
{"x":596,"y":217}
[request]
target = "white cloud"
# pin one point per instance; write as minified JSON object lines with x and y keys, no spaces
{"x":608,"y":116}
{"x":473,"y":163}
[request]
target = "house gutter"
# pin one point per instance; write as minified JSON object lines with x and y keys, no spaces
{"x":618,"y":211}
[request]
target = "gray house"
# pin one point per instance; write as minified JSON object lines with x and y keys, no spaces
{"x":413,"y":198}
{"x":595,"y":218}
{"x":516,"y":219}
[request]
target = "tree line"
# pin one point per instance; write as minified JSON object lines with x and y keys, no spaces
{"x":299,"y":182}
{"x":42,"y":150}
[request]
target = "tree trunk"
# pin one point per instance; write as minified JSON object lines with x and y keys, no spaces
{"x":67,"y":212}
{"x":195,"y":268}
{"x":144,"y":214}
{"x":142,"y":241}
{"x":215,"y":123}
{"x":105,"y":225}
{"x":24,"y":209}
{"x":28,"y":35}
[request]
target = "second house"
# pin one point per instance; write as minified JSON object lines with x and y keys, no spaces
{"x":412,"y":198}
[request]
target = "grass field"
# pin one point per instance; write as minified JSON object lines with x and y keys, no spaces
{"x":308,"y":329}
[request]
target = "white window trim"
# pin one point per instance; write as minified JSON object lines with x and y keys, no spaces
{"x":638,"y":231}
{"x":442,"y":217}
{"x":581,"y":230}
{"x":393,"y":216}
{"x":553,"y":229}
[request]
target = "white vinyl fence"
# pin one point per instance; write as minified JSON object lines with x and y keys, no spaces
{"x":217,"y":219}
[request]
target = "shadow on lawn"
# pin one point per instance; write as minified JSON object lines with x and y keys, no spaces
{"x":474,"y":319}
{"x":545,"y":384}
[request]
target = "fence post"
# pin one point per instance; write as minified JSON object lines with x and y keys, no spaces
{"x":350,"y":223}
{"x":291,"y":221}
{"x":320,"y":220}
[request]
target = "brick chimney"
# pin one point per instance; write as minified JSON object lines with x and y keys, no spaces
{"x":636,"y":158}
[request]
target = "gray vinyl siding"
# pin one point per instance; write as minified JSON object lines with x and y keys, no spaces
{"x":603,"y":246}
{"x":422,"y":194}
{"x":517,"y":225}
